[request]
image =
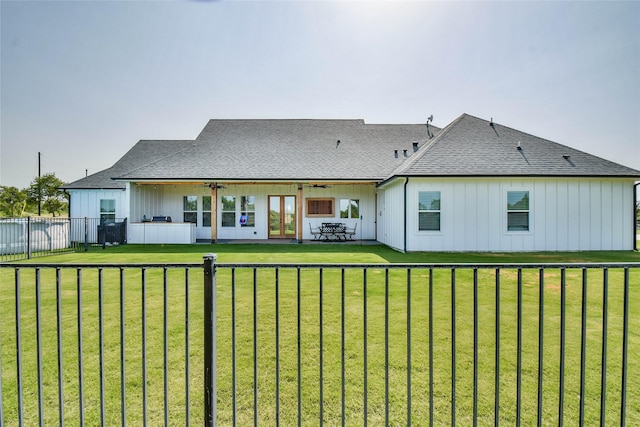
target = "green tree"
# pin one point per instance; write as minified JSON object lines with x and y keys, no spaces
{"x":46,"y":190}
{"x":12,"y":200}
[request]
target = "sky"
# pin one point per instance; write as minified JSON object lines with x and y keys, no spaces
{"x":82,"y":81}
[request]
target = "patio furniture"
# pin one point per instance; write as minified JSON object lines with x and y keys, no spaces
{"x":315,"y":232}
{"x":350,"y":232}
{"x":332,"y":231}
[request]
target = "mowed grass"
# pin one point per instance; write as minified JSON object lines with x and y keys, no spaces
{"x":383,"y":339}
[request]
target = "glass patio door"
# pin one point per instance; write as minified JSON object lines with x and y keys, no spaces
{"x":282,"y":217}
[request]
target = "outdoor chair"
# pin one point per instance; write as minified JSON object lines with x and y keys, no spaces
{"x":350,"y":232}
{"x":315,"y":232}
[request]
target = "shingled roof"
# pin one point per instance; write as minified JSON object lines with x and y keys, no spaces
{"x":349,"y":150}
{"x":470,"y":146}
{"x":144,"y":152}
{"x":251,"y":150}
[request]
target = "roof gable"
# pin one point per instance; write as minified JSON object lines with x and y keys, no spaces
{"x":470,"y":146}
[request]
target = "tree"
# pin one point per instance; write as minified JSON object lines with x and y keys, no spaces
{"x":46,"y":190}
{"x":12,"y":200}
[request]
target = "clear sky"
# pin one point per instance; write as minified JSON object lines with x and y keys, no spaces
{"x":83,"y":81}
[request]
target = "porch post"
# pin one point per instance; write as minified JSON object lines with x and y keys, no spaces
{"x":214,"y":212}
{"x":300,"y":210}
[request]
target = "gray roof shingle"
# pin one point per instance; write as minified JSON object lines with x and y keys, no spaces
{"x":143,"y":153}
{"x":299,"y":150}
{"x":470,"y":146}
{"x":288,"y":150}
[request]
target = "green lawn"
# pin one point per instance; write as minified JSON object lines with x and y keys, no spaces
{"x":310,"y":333}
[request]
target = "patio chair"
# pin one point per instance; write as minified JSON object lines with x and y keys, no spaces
{"x":315,"y":232}
{"x":350,"y":232}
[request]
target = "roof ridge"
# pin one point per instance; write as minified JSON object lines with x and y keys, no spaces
{"x":423,"y":150}
{"x":193,"y":141}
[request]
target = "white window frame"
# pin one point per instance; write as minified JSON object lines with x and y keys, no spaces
{"x":107,"y":212}
{"x":238,"y":211}
{"x":206,"y":211}
{"x":249,"y":200}
{"x":505,"y":209}
{"x":185,"y":200}
{"x":349,"y":202}
{"x":234,"y":211}
{"x":418,"y":211}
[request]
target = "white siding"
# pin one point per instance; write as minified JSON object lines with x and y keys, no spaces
{"x":391,"y":215}
{"x":86,"y":203}
{"x":365,"y":194}
{"x":565,"y":215}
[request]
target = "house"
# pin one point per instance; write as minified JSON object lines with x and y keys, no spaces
{"x":474,"y":185}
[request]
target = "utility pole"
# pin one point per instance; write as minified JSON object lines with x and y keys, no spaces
{"x":39,"y":187}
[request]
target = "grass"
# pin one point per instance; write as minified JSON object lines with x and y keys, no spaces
{"x":310,"y":334}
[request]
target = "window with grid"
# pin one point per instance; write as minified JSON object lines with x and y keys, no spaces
{"x":206,"y":211}
{"x":248,"y":211}
{"x":190,"y":209}
{"x":349,"y":208}
{"x":518,"y":211}
{"x":429,"y":211}
{"x":228,"y":214}
{"x":107,"y":210}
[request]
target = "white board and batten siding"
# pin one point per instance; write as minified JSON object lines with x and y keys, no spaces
{"x":390,"y":215}
{"x":366,"y":196}
{"x":151,"y":200}
{"x":86,"y":203}
{"x":565,"y":214}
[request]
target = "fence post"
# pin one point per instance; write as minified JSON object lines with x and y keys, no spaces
{"x":28,"y":237}
{"x":86,"y":234}
{"x":210,"y":340}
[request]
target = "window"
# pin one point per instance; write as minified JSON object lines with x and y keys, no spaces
{"x":320,"y":207}
{"x":248,"y":211}
{"x":228,"y":211}
{"x":349,"y":208}
{"x":190,"y":209}
{"x":517,"y":211}
{"x":107,"y":210}
{"x":206,"y":211}
{"x":429,"y":211}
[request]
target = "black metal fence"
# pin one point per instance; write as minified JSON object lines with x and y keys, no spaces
{"x":28,"y":237}
{"x":388,"y":344}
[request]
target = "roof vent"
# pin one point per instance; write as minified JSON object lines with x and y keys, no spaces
{"x":519,"y":147}
{"x":566,"y":156}
{"x":395,"y":153}
{"x":337,"y":143}
{"x":491,"y":122}
{"x":415,"y":146}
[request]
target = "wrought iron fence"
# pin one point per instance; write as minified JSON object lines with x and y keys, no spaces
{"x":387,"y":344}
{"x":25,"y":238}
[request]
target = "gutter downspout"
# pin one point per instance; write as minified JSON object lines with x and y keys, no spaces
{"x":635,"y":217}
{"x":405,"y":214}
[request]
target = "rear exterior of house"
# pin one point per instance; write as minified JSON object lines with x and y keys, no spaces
{"x":471,"y":186}
{"x":489,"y":214}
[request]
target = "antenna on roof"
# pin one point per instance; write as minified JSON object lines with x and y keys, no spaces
{"x":429,"y":120}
